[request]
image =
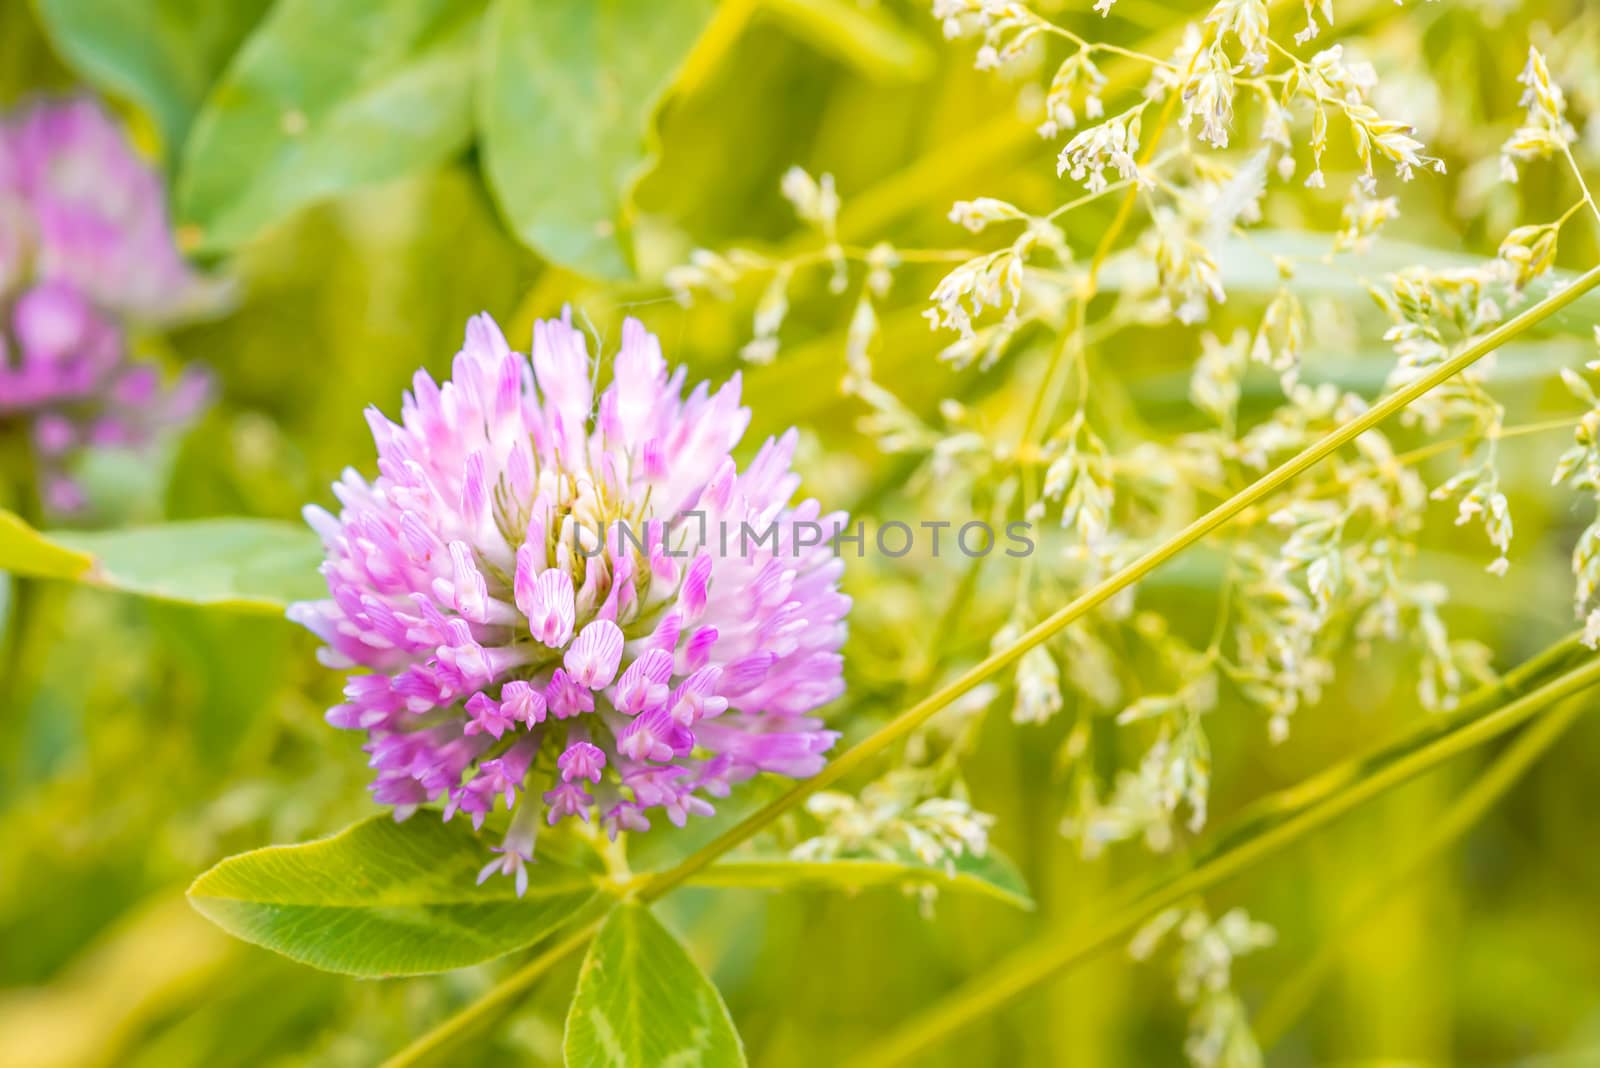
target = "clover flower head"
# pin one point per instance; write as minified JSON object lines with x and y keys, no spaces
{"x":534,"y":623}
{"x":85,"y":251}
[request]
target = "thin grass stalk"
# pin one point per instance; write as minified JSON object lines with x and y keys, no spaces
{"x":1290,"y":999}
{"x":502,"y":996}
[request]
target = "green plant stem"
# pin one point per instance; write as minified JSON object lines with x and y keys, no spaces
{"x":899,"y":728}
{"x":1291,"y":998}
{"x":1054,"y":951}
{"x":483,"y":1012}
{"x":1518,"y":682}
{"x":18,"y":468}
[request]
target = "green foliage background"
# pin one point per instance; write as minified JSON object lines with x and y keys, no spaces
{"x":144,"y":740}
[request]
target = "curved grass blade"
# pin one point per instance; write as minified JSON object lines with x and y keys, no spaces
{"x":1295,"y":994}
{"x":992,"y":875}
{"x":1055,"y":951}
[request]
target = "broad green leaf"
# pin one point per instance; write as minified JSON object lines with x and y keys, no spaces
{"x":25,"y":551}
{"x":992,"y":874}
{"x":384,"y":898}
{"x":642,"y":1001}
{"x":256,"y":565}
{"x":325,"y":97}
{"x":568,"y":93}
{"x":246,"y":564}
{"x":161,"y":54}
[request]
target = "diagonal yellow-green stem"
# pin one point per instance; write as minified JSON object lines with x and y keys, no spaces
{"x":1291,"y":998}
{"x":1054,"y":951}
{"x":899,"y":728}
{"x":503,"y":996}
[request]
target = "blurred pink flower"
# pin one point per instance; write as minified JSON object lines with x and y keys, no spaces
{"x":86,"y":252}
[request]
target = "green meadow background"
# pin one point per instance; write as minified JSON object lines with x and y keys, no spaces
{"x":140,"y":742}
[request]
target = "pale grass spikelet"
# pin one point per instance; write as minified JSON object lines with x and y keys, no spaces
{"x":1038,"y":688}
{"x":1545,"y":130}
{"x":1219,"y":1029}
{"x":706,"y":271}
{"x":1136,"y":809}
{"x":1215,"y":384}
{"x":1329,"y":81}
{"x":861,"y":333}
{"x":1529,"y":252}
{"x":1280,"y":338}
{"x":1361,"y":217}
{"x":975,"y":216}
{"x":726,"y":275}
{"x":882,"y":259}
{"x":1313,"y":8}
{"x":1480,"y":496}
{"x":1186,"y":270}
{"x":1579,"y":467}
{"x":989,"y":281}
{"x":893,"y":817}
{"x":1112,"y":144}
{"x":1177,"y":769}
{"x":1009,"y":29}
{"x":1076,"y":86}
{"x":1037,"y":679}
{"x":1278,"y":665}
{"x":769,"y":315}
{"x":815,"y":200}
{"x":1246,"y":22}
{"x":1448,"y":667}
{"x":1092,"y":669}
{"x":1079,"y":477}
{"x":816,"y":203}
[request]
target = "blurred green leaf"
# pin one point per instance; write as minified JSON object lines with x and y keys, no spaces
{"x":992,"y":874}
{"x":161,"y":54}
{"x":240,"y":564}
{"x":245,"y":564}
{"x":25,"y":551}
{"x":382,"y":898}
{"x":323,"y":98}
{"x":641,"y":1000}
{"x":569,"y":89}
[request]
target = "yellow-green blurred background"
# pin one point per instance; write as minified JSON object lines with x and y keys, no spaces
{"x":146,"y":741}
